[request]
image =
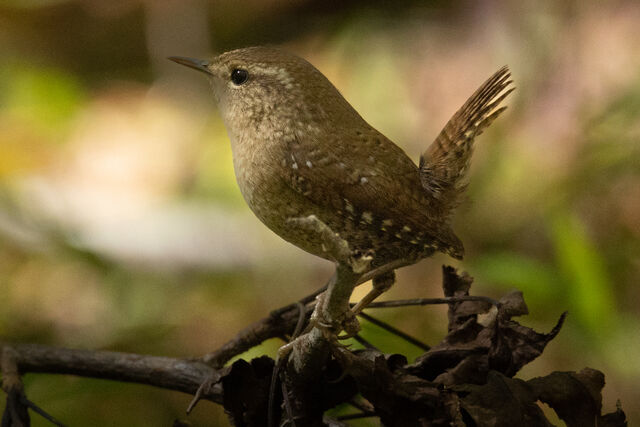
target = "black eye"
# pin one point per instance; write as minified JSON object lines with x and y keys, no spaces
{"x":239,"y":76}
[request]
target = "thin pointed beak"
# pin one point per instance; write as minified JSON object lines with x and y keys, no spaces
{"x":196,"y":64}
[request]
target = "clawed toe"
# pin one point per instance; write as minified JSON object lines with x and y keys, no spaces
{"x":320,"y":324}
{"x":331,"y":329}
{"x":346,"y":336}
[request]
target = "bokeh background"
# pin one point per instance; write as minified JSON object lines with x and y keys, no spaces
{"x":121,"y":226}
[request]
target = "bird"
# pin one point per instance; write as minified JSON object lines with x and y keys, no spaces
{"x":300,"y":150}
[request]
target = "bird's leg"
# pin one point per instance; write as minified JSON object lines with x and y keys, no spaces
{"x":332,"y":308}
{"x":381,"y":284}
{"x":332,"y":312}
{"x":307,"y":353}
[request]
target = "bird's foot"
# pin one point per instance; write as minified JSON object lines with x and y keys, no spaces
{"x":332,"y":326}
{"x":285,"y":350}
{"x":332,"y":331}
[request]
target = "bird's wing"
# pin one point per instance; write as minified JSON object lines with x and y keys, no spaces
{"x":370,"y":181}
{"x":444,"y":164}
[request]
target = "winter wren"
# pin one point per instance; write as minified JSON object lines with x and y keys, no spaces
{"x":300,"y":149}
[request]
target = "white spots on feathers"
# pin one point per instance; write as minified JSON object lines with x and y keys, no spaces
{"x":348,"y":206}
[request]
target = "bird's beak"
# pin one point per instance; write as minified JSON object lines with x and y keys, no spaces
{"x":196,"y":64}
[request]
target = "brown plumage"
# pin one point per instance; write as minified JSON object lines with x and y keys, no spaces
{"x":300,"y":149}
{"x":444,"y":164}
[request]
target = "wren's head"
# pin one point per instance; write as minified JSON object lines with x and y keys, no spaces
{"x":267,"y":90}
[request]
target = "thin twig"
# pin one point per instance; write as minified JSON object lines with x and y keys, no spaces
{"x":364,"y":342}
{"x":429,"y":301}
{"x":38,"y":410}
{"x":395,"y":331}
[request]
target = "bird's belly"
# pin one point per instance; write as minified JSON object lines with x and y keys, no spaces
{"x":275,"y":203}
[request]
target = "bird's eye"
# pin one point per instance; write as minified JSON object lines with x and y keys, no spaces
{"x":239,"y":76}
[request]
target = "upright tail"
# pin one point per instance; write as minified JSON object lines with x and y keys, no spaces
{"x":444,"y":164}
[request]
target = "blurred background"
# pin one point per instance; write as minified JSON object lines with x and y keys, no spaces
{"x":122,"y":228}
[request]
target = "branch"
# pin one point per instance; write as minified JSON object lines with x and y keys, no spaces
{"x":165,"y":372}
{"x":476,"y":359}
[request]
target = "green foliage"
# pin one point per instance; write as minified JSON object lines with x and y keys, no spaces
{"x":510,"y":270}
{"x":41,"y":97}
{"x":587,"y":284}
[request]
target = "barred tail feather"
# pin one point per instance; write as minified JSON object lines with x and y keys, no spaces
{"x":444,"y":164}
